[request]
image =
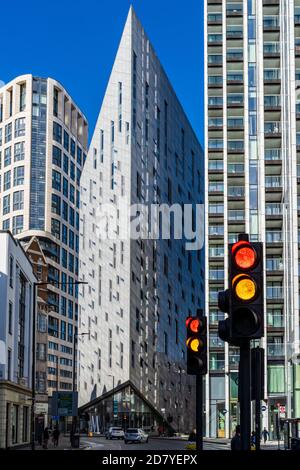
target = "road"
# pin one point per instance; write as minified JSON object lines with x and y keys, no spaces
{"x":100,"y":443}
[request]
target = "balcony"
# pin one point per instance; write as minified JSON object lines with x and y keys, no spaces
{"x":216,"y":231}
{"x":235,"y":124}
{"x":215,"y":81}
{"x":215,"y":166}
{"x":272,"y":49}
{"x":216,"y":275}
{"x":235,"y":146}
{"x":214,"y":19}
{"x":272,"y":75}
{"x":297,"y":19}
{"x":272,"y":102}
{"x":215,"y":317}
{"x":216,"y":364}
{"x":234,"y":359}
{"x":275,"y":319}
{"x":297,"y":47}
{"x":215,"y":60}
{"x":216,"y":209}
{"x":274,"y":293}
{"x":214,"y":39}
{"x":234,"y":78}
{"x":216,"y":187}
{"x":213,"y":296}
{"x":271,"y":23}
{"x":215,"y":123}
{"x":273,"y":236}
{"x":236,"y":215}
{"x":236,"y":192}
{"x":215,"y":102}
{"x":272,"y":128}
{"x":234,"y":10}
{"x":235,"y":56}
{"x":274,"y":209}
{"x":273,"y":154}
{"x":274,"y":264}
{"x":215,"y":342}
{"x":235,"y":100}
{"x":215,"y":144}
{"x":275,"y":350}
{"x":235,"y":169}
{"x":234,"y":33}
{"x":273,"y":183}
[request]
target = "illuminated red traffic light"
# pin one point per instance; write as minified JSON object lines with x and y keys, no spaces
{"x":244,"y":255}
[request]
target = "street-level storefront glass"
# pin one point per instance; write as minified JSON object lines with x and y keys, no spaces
{"x":124,"y":408}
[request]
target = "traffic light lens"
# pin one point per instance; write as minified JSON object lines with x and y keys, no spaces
{"x":245,"y":257}
{"x":194,"y":344}
{"x":246,"y":321}
{"x":195,"y":325}
{"x":245,"y":288}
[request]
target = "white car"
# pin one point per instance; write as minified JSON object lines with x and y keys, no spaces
{"x":115,"y":433}
{"x":135,"y":435}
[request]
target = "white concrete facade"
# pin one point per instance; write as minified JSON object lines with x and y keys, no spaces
{"x":140,"y":291}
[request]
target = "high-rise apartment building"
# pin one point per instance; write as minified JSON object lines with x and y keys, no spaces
{"x":252,"y":158}
{"x":140,"y":291}
{"x":43,"y":140}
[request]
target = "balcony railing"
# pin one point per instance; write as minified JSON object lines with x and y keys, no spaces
{"x":216,"y":274}
{"x":271,"y":22}
{"x":214,"y":18}
{"x":215,"y":317}
{"x":235,"y":10}
{"x":235,"y":77}
{"x":216,"y":252}
{"x":215,"y":122}
{"x":234,"y":359}
{"x":216,"y":364}
{"x":274,"y":264}
{"x":272,"y":74}
{"x":234,"y":33}
{"x":215,"y":101}
{"x":272,"y":154}
{"x":217,"y":209}
{"x":212,"y":38}
{"x":275,"y":350}
{"x":216,"y":342}
{"x":273,"y":181}
{"x":273,"y":127}
{"x":235,"y":100}
{"x":272,"y":101}
{"x":236,"y":215}
{"x":215,"y":80}
{"x":235,"y":56}
{"x":216,"y":144}
{"x":273,"y":209}
{"x":215,"y":187}
{"x":215,"y":59}
{"x":274,"y":292}
{"x":215,"y":165}
{"x":236,"y":191}
{"x":233,"y":123}
{"x":233,"y":168}
{"x":273,"y":237}
{"x":216,"y":231}
{"x":235,"y":145}
{"x":275,"y":319}
{"x":272,"y":48}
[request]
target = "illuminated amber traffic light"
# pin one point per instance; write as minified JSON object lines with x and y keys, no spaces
{"x":243,"y":300}
{"x":196,"y":342}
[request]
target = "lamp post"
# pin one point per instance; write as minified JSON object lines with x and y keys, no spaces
{"x":35,"y":285}
{"x":74,"y":372}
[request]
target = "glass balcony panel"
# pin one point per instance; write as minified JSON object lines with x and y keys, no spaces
{"x":235,"y":145}
{"x":236,"y":215}
{"x":272,"y":74}
{"x":216,"y":274}
{"x":215,"y":316}
{"x":275,"y":350}
{"x":273,"y":181}
{"x":273,"y":237}
{"x":236,"y":191}
{"x":274,"y":292}
{"x":215,"y":79}
{"x":216,"y":364}
{"x":273,"y":209}
{"x":271,"y":22}
{"x":216,"y":165}
{"x":215,"y":143}
{"x":216,"y":230}
{"x":274,"y":264}
{"x":272,"y":101}
{"x":235,"y":168}
{"x":272,"y":48}
{"x":273,"y":154}
{"x":275,"y":318}
{"x":272,"y":127}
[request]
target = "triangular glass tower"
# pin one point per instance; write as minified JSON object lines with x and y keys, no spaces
{"x":139,"y":291}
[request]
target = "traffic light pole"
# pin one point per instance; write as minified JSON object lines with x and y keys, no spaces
{"x":245,"y":394}
{"x":257,"y":392}
{"x":199,"y":412}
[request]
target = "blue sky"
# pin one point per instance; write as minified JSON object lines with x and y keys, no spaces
{"x":76,"y":41}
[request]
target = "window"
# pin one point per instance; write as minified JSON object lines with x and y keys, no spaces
{"x":17,"y":224}
{"x":7,"y":156}
{"x":65,"y":188}
{"x":64,"y":258}
{"x":71,"y":216}
{"x":66,"y":141}
{"x":63,"y":330}
{"x":8,"y":132}
{"x":10,"y":318}
{"x":19,"y":153}
{"x":73,"y":148}
{"x":22,"y":97}
{"x":66,"y":164}
{"x":72,"y":171}
{"x":18,"y":200}
{"x":6,"y":181}
{"x":55,"y":101}
{"x":6,"y":204}
{"x":79,"y":155}
{"x":55,"y":228}
{"x":57,"y":132}
{"x":56,"y":204}
{"x":56,"y":180}
{"x":11,"y":271}
{"x":72,"y":194}
{"x":42,"y":323}
{"x":9,"y":364}
{"x":166,"y":343}
{"x":64,"y":235}
{"x":65,"y":210}
{"x":18,"y":175}
{"x":19,"y":127}
{"x":56,"y":156}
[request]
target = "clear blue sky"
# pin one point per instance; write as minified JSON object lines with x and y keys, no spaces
{"x":76,"y":41}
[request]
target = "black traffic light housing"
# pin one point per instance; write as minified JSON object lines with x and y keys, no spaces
{"x":244,"y":299}
{"x":196,"y":342}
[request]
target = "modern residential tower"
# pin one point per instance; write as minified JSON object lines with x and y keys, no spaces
{"x":139,"y":292}
{"x":252,"y":157}
{"x":43,"y":140}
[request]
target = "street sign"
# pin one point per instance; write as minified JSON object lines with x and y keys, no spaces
{"x":263,"y":408}
{"x":41,"y":408}
{"x":224,"y":411}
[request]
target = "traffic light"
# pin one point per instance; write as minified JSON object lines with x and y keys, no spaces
{"x":196,"y":341}
{"x":243,"y":300}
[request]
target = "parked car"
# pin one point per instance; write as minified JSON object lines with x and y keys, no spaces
{"x":114,"y":433}
{"x":135,"y":435}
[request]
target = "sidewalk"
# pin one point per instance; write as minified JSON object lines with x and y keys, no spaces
{"x":64,"y":444}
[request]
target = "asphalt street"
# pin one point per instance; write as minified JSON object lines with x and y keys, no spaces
{"x":100,"y":443}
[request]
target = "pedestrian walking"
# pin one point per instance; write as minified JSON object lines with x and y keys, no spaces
{"x":192,"y":436}
{"x":253,"y":439}
{"x":265,"y":435}
{"x":45,"y":437}
{"x":236,"y":443}
{"x":56,"y":434}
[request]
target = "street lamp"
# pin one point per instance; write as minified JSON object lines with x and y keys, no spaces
{"x":74,"y":372}
{"x":35,"y":285}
